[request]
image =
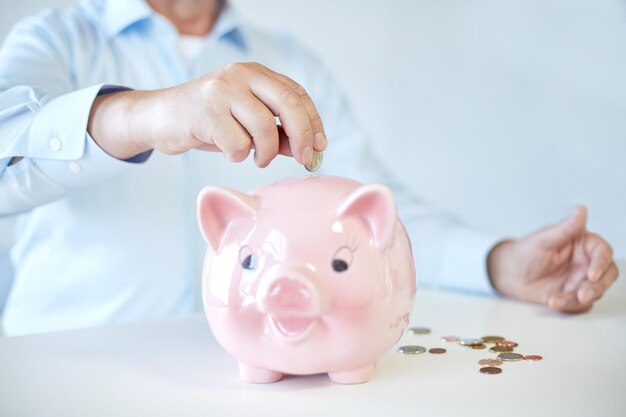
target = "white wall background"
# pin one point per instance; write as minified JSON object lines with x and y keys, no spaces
{"x":507,"y":112}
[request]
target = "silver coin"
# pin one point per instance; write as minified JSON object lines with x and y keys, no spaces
{"x":510,"y":357}
{"x":450,"y":339}
{"x":470,"y":342}
{"x":316,"y":162}
{"x":419,"y":330}
{"x":411,"y":349}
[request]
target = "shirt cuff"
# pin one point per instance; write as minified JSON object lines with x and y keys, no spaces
{"x":58,"y":129}
{"x":93,"y":166}
{"x":71,"y":158}
{"x":464,"y":262}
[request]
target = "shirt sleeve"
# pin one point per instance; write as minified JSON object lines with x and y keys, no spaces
{"x":448,"y":254}
{"x":43,"y":120}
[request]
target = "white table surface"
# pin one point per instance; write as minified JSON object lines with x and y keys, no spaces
{"x":175,"y":368}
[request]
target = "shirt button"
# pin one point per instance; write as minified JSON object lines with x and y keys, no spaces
{"x":75,"y":167}
{"x":55,"y":144}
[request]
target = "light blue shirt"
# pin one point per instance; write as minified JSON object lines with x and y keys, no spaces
{"x":101,"y":240}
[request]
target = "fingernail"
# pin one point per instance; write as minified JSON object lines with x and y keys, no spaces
{"x":320,"y":141}
{"x":587,"y":295}
{"x":596,"y":276}
{"x":307,"y":155}
{"x":558,"y":303}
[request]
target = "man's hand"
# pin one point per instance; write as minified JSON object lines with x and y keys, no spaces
{"x":564,"y":266}
{"x":231,"y":110}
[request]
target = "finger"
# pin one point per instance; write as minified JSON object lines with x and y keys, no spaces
{"x":568,"y":302}
{"x":209,"y":147}
{"x":231,"y":138}
{"x":285,"y":103}
{"x":592,"y":291}
{"x":600,"y":256}
{"x":582,"y":299}
{"x":284,"y":148}
{"x":319,"y":134}
{"x":566,"y":230}
{"x":576,"y":276}
{"x":260,"y":124}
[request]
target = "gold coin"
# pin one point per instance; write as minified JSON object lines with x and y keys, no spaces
{"x":492,"y":339}
{"x":411,"y":349}
{"x":506,"y":343}
{"x":501,"y":349}
{"x":490,"y":362}
{"x":490,"y":370}
{"x":510,"y":357}
{"x":419,"y":330}
{"x":315,"y":163}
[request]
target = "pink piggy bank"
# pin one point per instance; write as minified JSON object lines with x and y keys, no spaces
{"x":306,"y":276}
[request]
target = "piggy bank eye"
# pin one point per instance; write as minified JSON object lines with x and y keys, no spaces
{"x":247,"y":258}
{"x":342,"y":259}
{"x":339,"y":265}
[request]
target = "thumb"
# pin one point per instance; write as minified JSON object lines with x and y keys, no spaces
{"x":566,"y":230}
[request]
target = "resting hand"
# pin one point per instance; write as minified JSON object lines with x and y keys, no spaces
{"x":563,"y":266}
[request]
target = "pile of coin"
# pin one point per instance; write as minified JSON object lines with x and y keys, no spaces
{"x":503,"y":348}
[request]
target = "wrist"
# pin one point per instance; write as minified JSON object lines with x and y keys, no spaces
{"x":117,"y":124}
{"x":498,"y":266}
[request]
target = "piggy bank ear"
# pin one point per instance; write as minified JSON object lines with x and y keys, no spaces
{"x":375,"y":206}
{"x":219,"y":208}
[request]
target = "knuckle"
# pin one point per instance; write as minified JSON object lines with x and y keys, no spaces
{"x":300,"y":90}
{"x":233,"y":67}
{"x":238,"y":151}
{"x":241,"y":145}
{"x":241,"y":68}
{"x":316,"y":118}
{"x":316,"y":122}
{"x":215,"y":86}
{"x":266,"y":125}
{"x":252,"y":65}
{"x":306,"y":133}
{"x":290,"y":97}
{"x":234,"y":156}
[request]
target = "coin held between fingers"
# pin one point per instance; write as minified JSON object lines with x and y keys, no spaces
{"x":315,"y":163}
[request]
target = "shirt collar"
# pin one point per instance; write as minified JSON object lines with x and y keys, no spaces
{"x":227,"y":28}
{"x":120,"y":15}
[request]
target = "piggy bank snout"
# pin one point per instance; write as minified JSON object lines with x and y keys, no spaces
{"x":289,"y":295}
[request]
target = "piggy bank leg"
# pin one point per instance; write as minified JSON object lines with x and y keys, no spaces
{"x":355,"y":376}
{"x":257,"y":375}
